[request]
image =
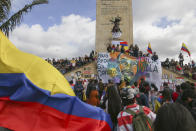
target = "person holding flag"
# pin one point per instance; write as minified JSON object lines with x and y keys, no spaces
{"x":181,"y":59}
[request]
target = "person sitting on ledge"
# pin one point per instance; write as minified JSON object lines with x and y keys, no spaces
{"x":109,"y":48}
{"x":155,"y":56}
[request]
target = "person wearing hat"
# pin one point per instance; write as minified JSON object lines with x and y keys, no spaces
{"x":128,"y":96}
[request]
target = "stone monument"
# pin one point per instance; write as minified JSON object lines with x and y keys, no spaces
{"x":113,"y":22}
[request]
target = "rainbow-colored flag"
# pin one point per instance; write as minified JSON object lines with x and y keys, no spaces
{"x":185,"y":49}
{"x":35,"y":96}
{"x":149,"y":50}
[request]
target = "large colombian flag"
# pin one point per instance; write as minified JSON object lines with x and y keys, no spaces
{"x":35,"y":96}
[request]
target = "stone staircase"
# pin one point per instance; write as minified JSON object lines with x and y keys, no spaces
{"x":176,"y":74}
{"x":87,"y":69}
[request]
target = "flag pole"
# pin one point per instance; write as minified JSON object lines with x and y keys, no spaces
{"x":180,"y":52}
{"x":190,"y":59}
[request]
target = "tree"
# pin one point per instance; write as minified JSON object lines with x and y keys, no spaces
{"x":8,"y":23}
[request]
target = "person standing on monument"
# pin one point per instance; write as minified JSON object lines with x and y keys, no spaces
{"x":181,"y":59}
{"x":122,"y":49}
{"x":131,"y":53}
{"x":113,"y":48}
{"x":155,"y":56}
{"x":109,"y":48}
{"x":117,"y":48}
{"x":136,"y":51}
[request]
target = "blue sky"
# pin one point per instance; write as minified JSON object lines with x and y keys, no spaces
{"x":50,"y":14}
{"x":66,"y":28}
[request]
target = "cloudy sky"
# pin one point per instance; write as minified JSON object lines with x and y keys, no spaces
{"x":66,"y":28}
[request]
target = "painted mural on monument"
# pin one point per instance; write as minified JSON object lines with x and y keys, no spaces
{"x":117,"y":66}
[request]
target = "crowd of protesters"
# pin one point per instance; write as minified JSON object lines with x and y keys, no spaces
{"x":166,"y":110}
{"x":141,"y":106}
{"x":67,"y":65}
{"x":188,"y":70}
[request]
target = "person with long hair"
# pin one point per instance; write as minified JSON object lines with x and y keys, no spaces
{"x":174,"y":117}
{"x":112,"y":103}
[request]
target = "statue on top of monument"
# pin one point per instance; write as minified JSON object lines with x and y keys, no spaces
{"x":116,"y":31}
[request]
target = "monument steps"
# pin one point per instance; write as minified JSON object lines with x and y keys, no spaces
{"x":68,"y":74}
{"x":176,"y":74}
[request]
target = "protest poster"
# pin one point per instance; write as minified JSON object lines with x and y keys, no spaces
{"x":154,"y":72}
{"x":102,"y":64}
{"x":117,"y":66}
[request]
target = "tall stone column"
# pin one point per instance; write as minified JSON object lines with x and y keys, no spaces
{"x":108,"y":10}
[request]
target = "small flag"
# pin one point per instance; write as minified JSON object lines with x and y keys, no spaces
{"x":124,"y":43}
{"x":185,"y":49}
{"x":149,"y":49}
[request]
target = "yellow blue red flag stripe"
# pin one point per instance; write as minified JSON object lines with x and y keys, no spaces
{"x":184,"y":48}
{"x":35,"y":96}
{"x":149,"y":48}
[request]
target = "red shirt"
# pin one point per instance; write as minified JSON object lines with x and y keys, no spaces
{"x":125,"y":119}
{"x":175,"y":96}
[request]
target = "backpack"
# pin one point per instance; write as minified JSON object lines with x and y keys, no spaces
{"x":140,"y":121}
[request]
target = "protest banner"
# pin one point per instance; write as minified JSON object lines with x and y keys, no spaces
{"x":117,"y":66}
{"x":154,"y":72}
{"x":102,"y":64}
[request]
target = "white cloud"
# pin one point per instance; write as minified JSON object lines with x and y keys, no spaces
{"x":75,"y":36}
{"x":165,"y":41}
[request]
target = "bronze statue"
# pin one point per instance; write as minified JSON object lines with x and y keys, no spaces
{"x":116,"y":22}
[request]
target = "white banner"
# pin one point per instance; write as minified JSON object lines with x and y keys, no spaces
{"x":116,"y":42}
{"x":102,"y":64}
{"x":154,"y":72}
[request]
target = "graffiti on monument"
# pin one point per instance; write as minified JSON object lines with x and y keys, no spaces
{"x":117,"y":66}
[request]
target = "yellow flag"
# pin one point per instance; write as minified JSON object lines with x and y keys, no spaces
{"x":37,"y":70}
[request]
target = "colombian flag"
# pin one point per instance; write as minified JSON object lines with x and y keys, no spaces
{"x":149,"y":49}
{"x":35,"y":96}
{"x":184,"y":48}
{"x":123,"y":43}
